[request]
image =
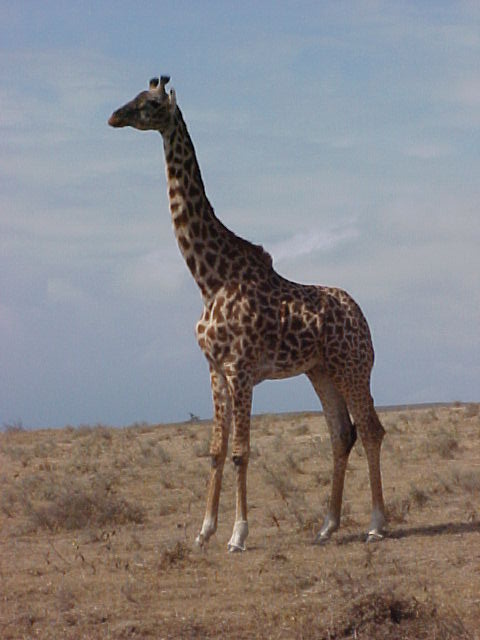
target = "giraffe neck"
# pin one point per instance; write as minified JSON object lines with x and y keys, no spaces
{"x":213,"y":253}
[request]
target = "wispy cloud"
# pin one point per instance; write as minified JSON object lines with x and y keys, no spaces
{"x":427,"y":150}
{"x":157,"y":272}
{"x":301,"y":244}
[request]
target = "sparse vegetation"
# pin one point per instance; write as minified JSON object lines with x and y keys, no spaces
{"x":13,"y":427}
{"x":202,"y":449}
{"x":444,"y":444}
{"x":466,"y":479}
{"x":174,"y":555}
{"x":97,"y":527}
{"x":419,"y":496}
{"x":472,"y":410}
{"x":76,"y":506}
{"x":397,"y":510}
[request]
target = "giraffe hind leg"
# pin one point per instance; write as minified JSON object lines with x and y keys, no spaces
{"x":371,"y":433}
{"x":343,"y":436}
{"x":241,"y":394}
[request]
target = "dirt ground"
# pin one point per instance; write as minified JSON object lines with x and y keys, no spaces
{"x":97,"y":527}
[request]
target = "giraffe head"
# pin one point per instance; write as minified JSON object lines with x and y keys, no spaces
{"x":151,"y":109}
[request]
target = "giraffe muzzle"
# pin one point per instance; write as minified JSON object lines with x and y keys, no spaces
{"x":116,"y":120}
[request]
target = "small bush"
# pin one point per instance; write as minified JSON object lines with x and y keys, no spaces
{"x":397,"y":510}
{"x":323,"y":477}
{"x":163,"y":456}
{"x":472,"y":410}
{"x":76,"y":506}
{"x":467,"y":480}
{"x":202,"y":449}
{"x":301,"y":430}
{"x":19,"y":454}
{"x":444,"y":444}
{"x":175,"y":555}
{"x":419,"y":497}
{"x":279,"y":481}
{"x":389,"y":616}
{"x":8,"y":501}
{"x":292,"y":463}
{"x":13,"y":427}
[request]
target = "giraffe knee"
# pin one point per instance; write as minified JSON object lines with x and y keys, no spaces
{"x":240,"y":460}
{"x":377,"y":429}
{"x":372,"y":431}
{"x":217,"y":455}
{"x":351,"y":438}
{"x":218,"y":444}
{"x":217,"y":458}
{"x":240,"y":453}
{"x":345,"y":439}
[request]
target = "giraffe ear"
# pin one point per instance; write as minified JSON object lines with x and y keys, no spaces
{"x":172,"y":99}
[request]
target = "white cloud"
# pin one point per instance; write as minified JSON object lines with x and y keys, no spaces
{"x":427,"y":150}
{"x":157,"y":272}
{"x":301,"y":244}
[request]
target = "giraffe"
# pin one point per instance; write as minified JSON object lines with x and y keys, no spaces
{"x":257,"y":325}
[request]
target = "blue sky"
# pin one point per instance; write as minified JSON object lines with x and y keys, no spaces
{"x":343,"y":136}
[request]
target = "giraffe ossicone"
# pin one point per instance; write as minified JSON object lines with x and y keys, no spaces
{"x":257,"y":325}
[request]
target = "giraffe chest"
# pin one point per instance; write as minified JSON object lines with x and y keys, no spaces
{"x":273,"y":338}
{"x":226,"y":330}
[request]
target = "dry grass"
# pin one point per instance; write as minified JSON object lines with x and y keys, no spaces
{"x":97,"y":526}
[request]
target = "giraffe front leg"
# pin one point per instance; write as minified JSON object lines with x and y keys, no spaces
{"x":218,"y":452}
{"x":241,"y":392}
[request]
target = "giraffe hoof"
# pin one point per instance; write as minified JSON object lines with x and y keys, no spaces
{"x":374,"y":536}
{"x":239,"y":535}
{"x":199,"y":542}
{"x":330,"y":525}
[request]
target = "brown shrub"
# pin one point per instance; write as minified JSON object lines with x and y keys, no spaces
{"x":76,"y":506}
{"x":174,"y":555}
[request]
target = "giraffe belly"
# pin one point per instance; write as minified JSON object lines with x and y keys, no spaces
{"x":283,"y":372}
{"x":288,"y":360}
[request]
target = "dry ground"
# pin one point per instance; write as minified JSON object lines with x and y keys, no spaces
{"x":97,"y":524}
